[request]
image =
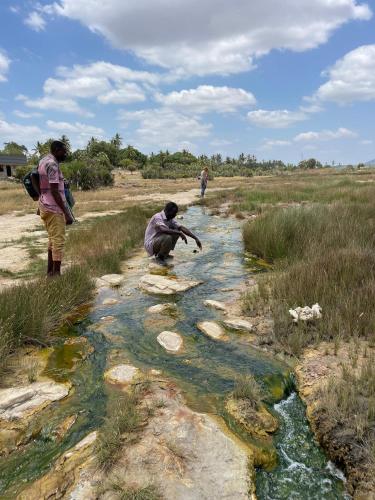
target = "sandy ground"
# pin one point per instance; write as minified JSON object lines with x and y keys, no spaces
{"x":16,"y":229}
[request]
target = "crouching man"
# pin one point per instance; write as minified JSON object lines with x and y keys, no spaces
{"x":163,"y":232}
{"x":52,"y":205}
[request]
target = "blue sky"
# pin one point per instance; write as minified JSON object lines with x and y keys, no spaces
{"x":286,"y":80}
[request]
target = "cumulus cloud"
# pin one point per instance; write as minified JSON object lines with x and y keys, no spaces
{"x":4,"y":66}
{"x":22,"y":114}
{"x":23,"y":134}
{"x":54,"y":104}
{"x":352,"y":78}
{"x":207,"y":98}
{"x":220,"y":37}
{"x":325,"y":135}
{"x":279,"y":118}
{"x":275,"y":143}
{"x":165,"y":128}
{"x":35,"y":21}
{"x":79,"y":133}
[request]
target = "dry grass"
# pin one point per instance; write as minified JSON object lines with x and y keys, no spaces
{"x":247,"y":388}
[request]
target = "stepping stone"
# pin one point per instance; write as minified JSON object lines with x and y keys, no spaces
{"x":211,"y":329}
{"x":19,"y":402}
{"x":160,"y":285}
{"x":121,"y":374}
{"x":171,"y":341}
{"x":239,"y":324}
{"x":110,"y":302}
{"x":215,"y":305}
{"x":161,"y":308}
{"x":110,"y":280}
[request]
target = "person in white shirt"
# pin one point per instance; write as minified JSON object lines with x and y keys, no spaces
{"x":163,"y":232}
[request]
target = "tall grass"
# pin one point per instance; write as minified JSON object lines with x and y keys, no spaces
{"x":30,"y":312}
{"x":325,"y":254}
{"x":104,"y":243}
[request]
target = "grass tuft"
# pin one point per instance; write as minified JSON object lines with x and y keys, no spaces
{"x":246,"y":387}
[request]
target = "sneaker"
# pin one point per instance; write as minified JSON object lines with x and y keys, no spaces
{"x":161,"y":262}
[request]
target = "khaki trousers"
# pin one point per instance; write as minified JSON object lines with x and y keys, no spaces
{"x":163,"y":244}
{"x":55,"y":226}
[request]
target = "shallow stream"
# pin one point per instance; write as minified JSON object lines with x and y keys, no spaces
{"x":205,"y":370}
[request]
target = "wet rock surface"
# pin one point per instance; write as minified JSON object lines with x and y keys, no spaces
{"x":161,"y":285}
{"x":166,"y":308}
{"x":239,"y":324}
{"x":171,"y":341}
{"x":212,"y":329}
{"x":121,"y":374}
{"x":215,"y":304}
{"x":113,"y":280}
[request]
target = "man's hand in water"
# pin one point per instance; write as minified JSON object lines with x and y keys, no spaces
{"x":199,"y":244}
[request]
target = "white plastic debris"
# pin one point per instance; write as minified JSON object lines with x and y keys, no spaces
{"x":306,"y":313}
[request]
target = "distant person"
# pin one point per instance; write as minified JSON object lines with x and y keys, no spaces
{"x":53,"y":207}
{"x":163,"y":232}
{"x":204,"y":181}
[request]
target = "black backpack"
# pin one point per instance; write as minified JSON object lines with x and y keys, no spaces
{"x":31,"y":184}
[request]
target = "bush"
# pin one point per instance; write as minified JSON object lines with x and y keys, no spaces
{"x":87,"y":174}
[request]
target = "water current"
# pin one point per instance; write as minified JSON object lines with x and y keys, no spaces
{"x":206,"y":370}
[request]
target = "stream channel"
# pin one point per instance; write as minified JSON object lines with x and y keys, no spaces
{"x":205,"y":370}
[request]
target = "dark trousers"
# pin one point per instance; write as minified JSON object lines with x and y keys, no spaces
{"x":163,"y":244}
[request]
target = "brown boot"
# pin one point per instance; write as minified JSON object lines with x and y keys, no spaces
{"x":50,"y":263}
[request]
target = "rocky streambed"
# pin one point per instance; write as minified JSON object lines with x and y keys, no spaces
{"x":179,"y":333}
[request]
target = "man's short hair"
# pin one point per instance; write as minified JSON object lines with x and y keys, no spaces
{"x":171,"y":206}
{"x":57,"y":146}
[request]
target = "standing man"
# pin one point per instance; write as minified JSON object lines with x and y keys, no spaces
{"x":204,"y":181}
{"x":163,"y":232}
{"x":53,"y":208}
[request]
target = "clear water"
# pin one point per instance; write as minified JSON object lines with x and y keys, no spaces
{"x":205,"y":370}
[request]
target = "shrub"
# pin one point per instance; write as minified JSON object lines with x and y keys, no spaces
{"x":246,"y":387}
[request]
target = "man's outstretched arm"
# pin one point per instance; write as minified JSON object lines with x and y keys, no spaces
{"x":187,"y":231}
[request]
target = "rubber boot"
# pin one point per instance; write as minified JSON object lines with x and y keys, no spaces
{"x":56,"y":267}
{"x":50,"y":263}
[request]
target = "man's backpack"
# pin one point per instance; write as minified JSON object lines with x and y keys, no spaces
{"x":31,"y":184}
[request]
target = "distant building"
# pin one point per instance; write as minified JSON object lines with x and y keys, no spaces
{"x":9,"y":163}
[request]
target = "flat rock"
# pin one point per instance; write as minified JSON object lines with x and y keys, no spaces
{"x":110,"y":301}
{"x":171,"y":341}
{"x":19,"y":402}
{"x":121,"y":374}
{"x":162,"y":308}
{"x":212,"y":329}
{"x":160,"y":285}
{"x":215,"y":305}
{"x":239,"y":324}
{"x":110,"y":280}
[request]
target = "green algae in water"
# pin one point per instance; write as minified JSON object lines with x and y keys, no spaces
{"x":303,"y":472}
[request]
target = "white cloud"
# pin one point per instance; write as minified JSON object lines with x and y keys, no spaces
{"x":325,"y":135}
{"x":165,"y":128}
{"x":22,"y":114}
{"x":352,"y":78}
{"x":124,"y":94}
{"x":220,"y":142}
{"x":275,"y":143}
{"x":23,"y":134}
{"x":207,"y":98}
{"x":54,"y":104}
{"x":35,"y":21}
{"x":15,"y":9}
{"x":219,"y":36}
{"x":367,"y":142}
{"x":76,"y":128}
{"x":279,"y":118}
{"x":85,"y":86}
{"x":4,"y":66}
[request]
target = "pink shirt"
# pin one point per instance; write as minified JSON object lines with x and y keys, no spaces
{"x":157,"y":222}
{"x":50,"y":173}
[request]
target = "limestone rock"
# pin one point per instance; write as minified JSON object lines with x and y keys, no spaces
{"x":171,"y":341}
{"x":121,"y":374}
{"x":160,"y":285}
{"x":239,"y":324}
{"x":162,"y":308}
{"x":113,"y":280}
{"x":306,"y":313}
{"x":110,"y":301}
{"x":211,"y":329}
{"x":19,"y":402}
{"x":215,"y":305}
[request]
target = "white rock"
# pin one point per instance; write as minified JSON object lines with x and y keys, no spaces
{"x":239,"y":324}
{"x":215,"y":305}
{"x":161,"y":285}
{"x":171,"y":341}
{"x":121,"y":374}
{"x":306,"y":313}
{"x":110,"y":301}
{"x":161,"y":308}
{"x":18,"y":402}
{"x":111,"y":280}
{"x":211,"y":329}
